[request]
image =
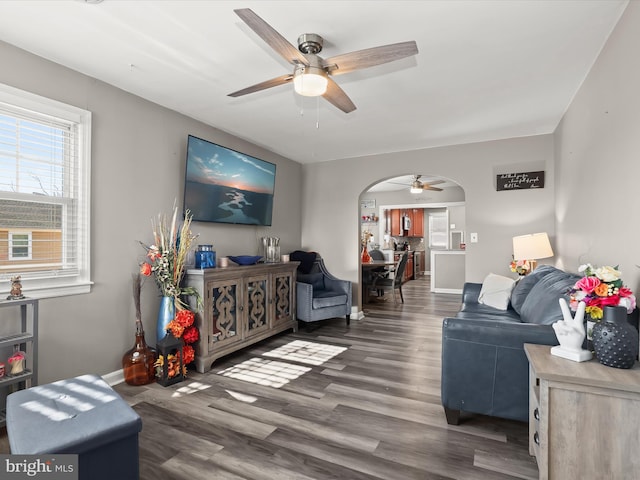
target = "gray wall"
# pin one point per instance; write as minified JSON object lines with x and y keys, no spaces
{"x":332,"y":191}
{"x":138,"y":156}
{"x":598,"y":151}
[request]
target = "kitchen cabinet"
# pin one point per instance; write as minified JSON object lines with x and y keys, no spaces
{"x":408,"y":269}
{"x":242,"y":305}
{"x":396,"y":223}
{"x":417,"y":222}
{"x":408,"y":272}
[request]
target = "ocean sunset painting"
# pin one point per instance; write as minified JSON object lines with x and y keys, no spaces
{"x":226,"y":186}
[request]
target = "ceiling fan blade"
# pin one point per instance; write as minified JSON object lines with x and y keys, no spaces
{"x":274,"y":82}
{"x":429,"y":187}
{"x":435,"y":182}
{"x":276,"y":41}
{"x":369,"y":57}
{"x":338,"y":98}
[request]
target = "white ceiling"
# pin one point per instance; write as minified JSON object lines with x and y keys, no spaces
{"x":486,"y":69}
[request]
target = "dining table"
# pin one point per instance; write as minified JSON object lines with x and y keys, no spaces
{"x":366,"y":271}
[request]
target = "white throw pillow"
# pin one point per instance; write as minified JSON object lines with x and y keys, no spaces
{"x":496,"y":291}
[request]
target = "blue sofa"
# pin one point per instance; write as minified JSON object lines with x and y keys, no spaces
{"x":484,"y":367}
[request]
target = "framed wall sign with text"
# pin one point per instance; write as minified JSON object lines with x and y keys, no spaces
{"x":519,"y":181}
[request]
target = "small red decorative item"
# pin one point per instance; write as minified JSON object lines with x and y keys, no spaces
{"x":16,"y":362}
{"x":188,"y":354}
{"x":366,"y":258}
{"x":191,"y":335}
{"x":185,"y":318}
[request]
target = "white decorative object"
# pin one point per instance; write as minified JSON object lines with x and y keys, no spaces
{"x":570,"y":333}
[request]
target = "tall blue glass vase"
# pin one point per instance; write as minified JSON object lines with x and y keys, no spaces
{"x":166,"y":313}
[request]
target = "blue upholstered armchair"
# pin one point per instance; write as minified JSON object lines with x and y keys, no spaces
{"x":320,"y":295}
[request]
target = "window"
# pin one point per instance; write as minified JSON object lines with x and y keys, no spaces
{"x":438,"y":230}
{"x":19,"y":246}
{"x":44,"y":194}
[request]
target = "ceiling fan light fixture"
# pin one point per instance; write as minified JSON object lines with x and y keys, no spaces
{"x":416,"y":187}
{"x":310,"y":81}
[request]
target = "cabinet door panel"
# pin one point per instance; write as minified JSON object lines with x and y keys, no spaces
{"x":282,"y":297}
{"x":396,"y":218}
{"x":417,"y":223}
{"x":256,"y":295}
{"x":224,"y":311}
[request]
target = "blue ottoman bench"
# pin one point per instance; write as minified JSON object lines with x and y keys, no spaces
{"x":81,"y":415}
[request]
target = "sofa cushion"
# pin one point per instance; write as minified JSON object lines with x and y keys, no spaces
{"x":541,"y":305}
{"x":306,"y":260}
{"x":328,"y":298}
{"x":484,"y":312}
{"x":496,"y":291}
{"x":525,"y":284}
{"x":315,"y":279}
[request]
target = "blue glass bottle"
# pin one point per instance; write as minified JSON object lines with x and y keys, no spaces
{"x":205,"y":257}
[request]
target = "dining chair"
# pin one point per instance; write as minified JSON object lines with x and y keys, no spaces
{"x":395,"y":282}
{"x":377,"y":273}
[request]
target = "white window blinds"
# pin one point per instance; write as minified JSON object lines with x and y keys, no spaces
{"x":44,"y":194}
{"x":438,"y":230}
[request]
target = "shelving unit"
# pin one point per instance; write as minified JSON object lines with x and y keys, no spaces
{"x":26,"y":340}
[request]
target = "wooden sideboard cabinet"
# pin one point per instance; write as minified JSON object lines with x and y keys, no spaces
{"x":241,"y":305}
{"x":583,"y":417}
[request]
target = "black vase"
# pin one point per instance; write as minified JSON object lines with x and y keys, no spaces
{"x":615,"y":340}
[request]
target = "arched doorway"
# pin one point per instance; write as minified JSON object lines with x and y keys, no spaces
{"x":433,"y":219}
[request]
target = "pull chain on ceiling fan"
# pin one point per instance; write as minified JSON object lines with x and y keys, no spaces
{"x":312,"y":74}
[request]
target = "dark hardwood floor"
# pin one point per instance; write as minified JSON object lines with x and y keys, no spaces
{"x":348,"y":403}
{"x":372,"y":411}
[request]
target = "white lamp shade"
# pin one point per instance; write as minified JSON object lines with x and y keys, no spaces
{"x":310,"y":82}
{"x":532,"y":247}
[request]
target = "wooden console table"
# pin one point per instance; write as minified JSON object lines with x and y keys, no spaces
{"x":583,"y":417}
{"x":242,"y":305}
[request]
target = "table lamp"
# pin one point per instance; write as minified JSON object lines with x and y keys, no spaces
{"x":531,"y":248}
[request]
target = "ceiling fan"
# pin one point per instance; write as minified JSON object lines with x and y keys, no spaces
{"x":417,"y":186}
{"x":312,"y":74}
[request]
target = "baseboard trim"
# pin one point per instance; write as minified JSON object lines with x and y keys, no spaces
{"x":114,"y":378}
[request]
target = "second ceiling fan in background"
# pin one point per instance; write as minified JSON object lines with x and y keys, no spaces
{"x":312,"y":74}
